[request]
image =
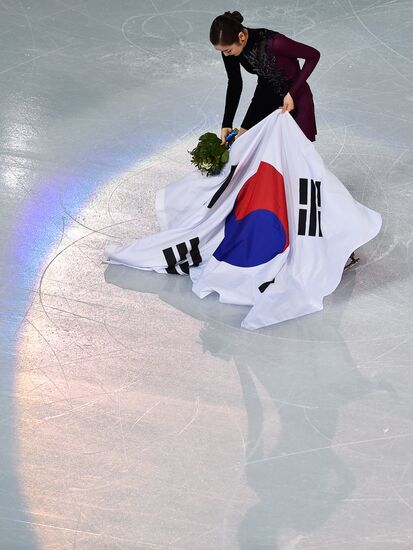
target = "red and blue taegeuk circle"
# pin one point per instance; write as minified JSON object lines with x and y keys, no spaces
{"x":256,"y":230}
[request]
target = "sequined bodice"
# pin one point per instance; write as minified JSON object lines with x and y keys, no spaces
{"x":256,"y":59}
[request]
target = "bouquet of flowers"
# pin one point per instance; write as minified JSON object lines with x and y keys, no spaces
{"x":210,"y":155}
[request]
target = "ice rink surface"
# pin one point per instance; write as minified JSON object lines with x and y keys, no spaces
{"x":134,"y":415}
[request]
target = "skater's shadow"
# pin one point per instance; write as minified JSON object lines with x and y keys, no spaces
{"x":304,"y":370}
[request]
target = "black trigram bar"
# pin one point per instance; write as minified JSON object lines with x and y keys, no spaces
{"x":303,"y":190}
{"x":194,"y":251}
{"x":302,"y":214}
{"x":313,"y":211}
{"x":302,"y":220}
{"x":262,"y":287}
{"x":318,"y":183}
{"x":170,"y":260}
{"x":182,"y":249}
{"x":315,"y":200}
{"x":223,"y":187}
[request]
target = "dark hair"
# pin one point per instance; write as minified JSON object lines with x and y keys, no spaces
{"x":225,"y":28}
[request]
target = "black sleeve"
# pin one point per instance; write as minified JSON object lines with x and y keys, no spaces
{"x":234,"y":89}
{"x":255,"y":110}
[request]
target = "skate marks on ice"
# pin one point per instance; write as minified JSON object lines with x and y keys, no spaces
{"x":143,"y":418}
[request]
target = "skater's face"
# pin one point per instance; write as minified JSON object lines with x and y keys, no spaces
{"x":236,"y":48}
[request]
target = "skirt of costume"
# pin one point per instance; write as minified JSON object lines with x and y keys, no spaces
{"x":265,"y":102}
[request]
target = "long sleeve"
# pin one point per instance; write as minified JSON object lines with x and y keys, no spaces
{"x":281,"y":45}
{"x":234,"y":89}
{"x":254,"y":111}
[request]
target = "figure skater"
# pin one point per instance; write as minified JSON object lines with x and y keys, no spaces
{"x":273,"y":57}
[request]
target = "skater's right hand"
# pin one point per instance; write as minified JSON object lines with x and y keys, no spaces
{"x":224,"y":133}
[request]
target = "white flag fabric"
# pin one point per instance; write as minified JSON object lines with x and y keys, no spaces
{"x":273,"y":230}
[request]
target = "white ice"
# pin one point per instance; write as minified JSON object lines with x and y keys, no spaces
{"x":134,"y":415}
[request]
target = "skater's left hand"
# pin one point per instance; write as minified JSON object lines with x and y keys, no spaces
{"x":240,"y":131}
{"x":288,"y":104}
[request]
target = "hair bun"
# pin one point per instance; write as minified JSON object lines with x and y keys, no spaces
{"x":235,"y":15}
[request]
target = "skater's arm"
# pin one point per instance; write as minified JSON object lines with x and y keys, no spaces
{"x":254,"y":111}
{"x":234,"y":89}
{"x":284,"y":46}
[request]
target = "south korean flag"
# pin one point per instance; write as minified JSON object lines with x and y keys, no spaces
{"x":273,"y":230}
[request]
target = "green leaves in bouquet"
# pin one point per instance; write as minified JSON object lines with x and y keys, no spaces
{"x":225,"y":156}
{"x":209,"y":155}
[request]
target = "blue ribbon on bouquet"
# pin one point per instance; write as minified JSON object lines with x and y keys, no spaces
{"x":230,"y":136}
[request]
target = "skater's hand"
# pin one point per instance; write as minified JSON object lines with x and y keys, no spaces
{"x":224,"y":133}
{"x":288,"y":104}
{"x":241,"y":131}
